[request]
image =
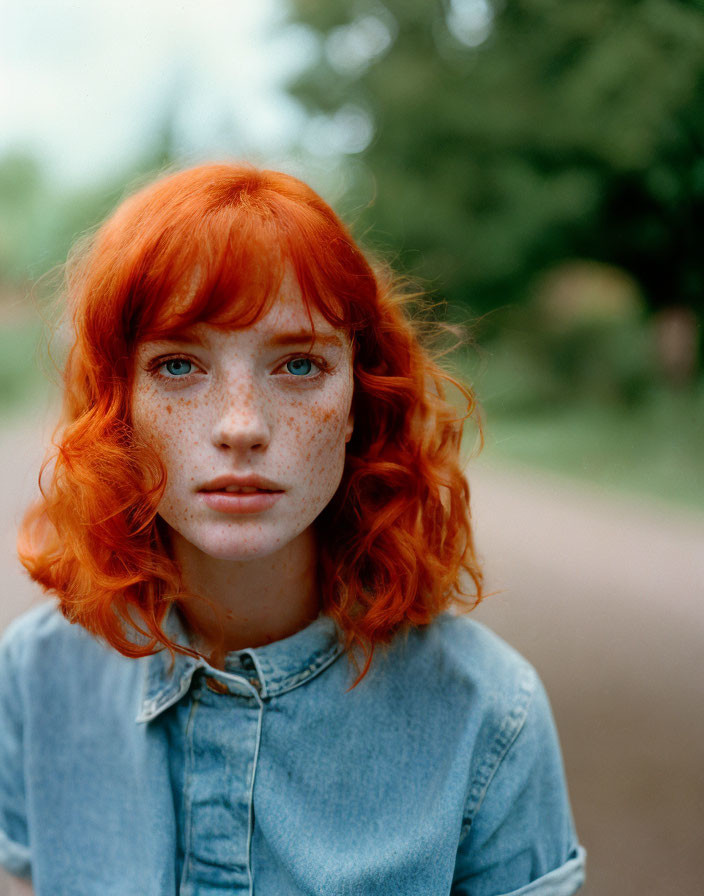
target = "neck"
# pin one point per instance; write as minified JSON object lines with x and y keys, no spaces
{"x":247,"y":603}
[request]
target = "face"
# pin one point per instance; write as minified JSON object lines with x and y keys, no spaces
{"x":247,"y":402}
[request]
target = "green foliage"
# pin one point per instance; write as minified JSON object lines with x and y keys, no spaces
{"x":571,"y":129}
{"x":39,"y":222}
{"x":22,"y":189}
{"x":588,"y":406}
{"x":656,"y":449}
{"x":21,"y":377}
{"x":532,"y":370}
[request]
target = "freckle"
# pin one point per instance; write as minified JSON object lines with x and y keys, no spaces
{"x":168,"y":408}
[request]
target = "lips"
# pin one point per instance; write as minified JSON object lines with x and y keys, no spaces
{"x":231,"y":484}
{"x":242,"y":502}
{"x":235,"y":490}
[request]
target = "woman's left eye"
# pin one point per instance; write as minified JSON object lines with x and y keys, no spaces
{"x":300,"y":366}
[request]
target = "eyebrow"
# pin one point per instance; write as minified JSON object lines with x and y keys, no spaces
{"x":292,"y":337}
{"x":303,"y":337}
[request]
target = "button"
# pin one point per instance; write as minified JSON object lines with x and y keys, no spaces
{"x":219,"y":687}
{"x":255,"y":684}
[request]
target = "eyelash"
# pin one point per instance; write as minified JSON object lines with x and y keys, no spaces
{"x":153,"y":368}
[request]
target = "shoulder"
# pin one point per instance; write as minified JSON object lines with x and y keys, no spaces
{"x":46,"y":655}
{"x":474,"y":684}
{"x":40,"y":620}
{"x":467,"y":660}
{"x":471,"y":646}
{"x":40,"y":631}
{"x":517,"y":824}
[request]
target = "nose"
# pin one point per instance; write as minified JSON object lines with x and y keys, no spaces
{"x":241,"y":422}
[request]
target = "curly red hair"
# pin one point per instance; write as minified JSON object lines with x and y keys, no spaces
{"x":209,"y":244}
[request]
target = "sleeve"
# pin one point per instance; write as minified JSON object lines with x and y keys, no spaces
{"x":14,"y":840}
{"x":519,"y":835}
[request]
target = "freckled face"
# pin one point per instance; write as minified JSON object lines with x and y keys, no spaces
{"x":239,"y":403}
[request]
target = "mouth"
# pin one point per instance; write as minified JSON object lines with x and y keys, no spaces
{"x":237,"y":490}
{"x":241,"y":483}
{"x":254,"y":500}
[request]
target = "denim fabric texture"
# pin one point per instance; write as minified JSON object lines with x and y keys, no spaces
{"x":440,"y":773}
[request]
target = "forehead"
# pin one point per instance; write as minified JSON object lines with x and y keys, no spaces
{"x":291,"y":311}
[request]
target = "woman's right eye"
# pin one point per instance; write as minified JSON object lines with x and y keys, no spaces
{"x":176,"y":368}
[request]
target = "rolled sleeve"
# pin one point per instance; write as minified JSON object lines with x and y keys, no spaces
{"x":14,"y":840}
{"x":520,"y":837}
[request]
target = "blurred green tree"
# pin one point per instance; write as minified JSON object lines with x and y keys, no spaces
{"x":22,"y":187}
{"x":486,"y":140}
{"x":40,"y":220}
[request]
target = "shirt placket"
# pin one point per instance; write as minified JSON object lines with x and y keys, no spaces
{"x":222,"y":745}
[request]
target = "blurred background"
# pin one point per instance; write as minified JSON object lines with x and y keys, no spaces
{"x":537,"y":167}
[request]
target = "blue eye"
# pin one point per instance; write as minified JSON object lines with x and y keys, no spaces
{"x":179,"y":363}
{"x":299,"y":365}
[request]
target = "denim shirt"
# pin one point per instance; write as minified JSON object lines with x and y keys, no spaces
{"x":440,"y":773}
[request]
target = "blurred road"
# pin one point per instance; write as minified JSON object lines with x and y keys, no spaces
{"x":605,"y":595}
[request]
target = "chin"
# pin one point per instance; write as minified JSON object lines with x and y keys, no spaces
{"x":237,"y":549}
{"x":237,"y":543}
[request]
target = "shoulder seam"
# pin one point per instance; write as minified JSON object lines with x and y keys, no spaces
{"x":507,"y":733}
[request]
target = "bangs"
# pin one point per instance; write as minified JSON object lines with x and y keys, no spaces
{"x":225,"y":273}
{"x":220,"y":256}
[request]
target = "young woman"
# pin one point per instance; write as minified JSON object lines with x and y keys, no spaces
{"x":255,"y":678}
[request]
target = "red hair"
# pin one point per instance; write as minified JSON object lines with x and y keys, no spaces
{"x":209,"y":245}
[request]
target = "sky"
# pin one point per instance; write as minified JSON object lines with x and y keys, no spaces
{"x":84,"y":83}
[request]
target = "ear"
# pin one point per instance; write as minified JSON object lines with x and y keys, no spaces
{"x":350,"y":426}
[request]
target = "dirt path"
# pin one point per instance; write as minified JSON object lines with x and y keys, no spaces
{"x":605,"y":596}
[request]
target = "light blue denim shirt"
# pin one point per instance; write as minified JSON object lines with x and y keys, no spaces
{"x":440,"y":773}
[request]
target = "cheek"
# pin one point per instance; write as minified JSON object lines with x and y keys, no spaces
{"x":313,"y":439}
{"x":324,"y":435}
{"x":143,"y":414}
{"x":155,"y":422}
{"x":330,"y":425}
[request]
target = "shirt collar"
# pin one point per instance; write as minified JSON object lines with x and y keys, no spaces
{"x":276,"y":667}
